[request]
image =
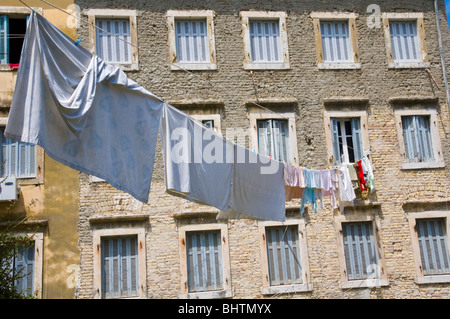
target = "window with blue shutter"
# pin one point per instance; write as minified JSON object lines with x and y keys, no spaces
{"x":204,"y":261}
{"x":347,"y":140}
{"x":265,"y":41}
{"x":113,"y":39}
{"x":417,"y":138}
{"x":12,"y":34}
{"x":192,"y":41}
{"x":120,"y":275}
{"x":359,"y":250}
{"x":336,"y":44}
{"x":283,"y":255}
{"x":273,"y":139}
{"x":19,"y":159}
{"x":23,"y":264}
{"x":404,"y":41}
{"x":434,"y":253}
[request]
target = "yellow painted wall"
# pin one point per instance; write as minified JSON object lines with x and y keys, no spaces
{"x":56,"y":200}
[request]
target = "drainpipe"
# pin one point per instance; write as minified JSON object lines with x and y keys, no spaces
{"x":444,"y":69}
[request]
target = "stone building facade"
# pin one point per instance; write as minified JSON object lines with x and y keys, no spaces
{"x":309,"y":88}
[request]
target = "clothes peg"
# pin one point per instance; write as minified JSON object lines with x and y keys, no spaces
{"x":78,"y":41}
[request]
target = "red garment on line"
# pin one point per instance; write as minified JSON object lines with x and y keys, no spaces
{"x":362,"y":181}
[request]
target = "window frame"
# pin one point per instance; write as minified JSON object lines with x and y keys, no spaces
{"x":362,"y":115}
{"x":209,"y":117}
{"x":422,"y":48}
{"x":438,"y":161}
{"x":248,"y":63}
{"x":226,"y":292}
{"x":357,"y":217}
{"x":98,"y":234}
{"x":93,"y":14}
{"x":40,"y":156}
{"x":420,"y":278}
{"x":209,"y":15}
{"x":11,"y":11}
{"x":306,"y":285}
{"x":254,"y":116}
{"x":317,"y":17}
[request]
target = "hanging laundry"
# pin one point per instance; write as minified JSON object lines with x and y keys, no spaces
{"x":198,"y":163}
{"x":346,"y":191}
{"x":370,"y":181}
{"x":330,"y":186}
{"x":203,"y":167}
{"x":258,"y":187}
{"x":83,"y":112}
{"x":294,"y":179}
{"x":309,"y":193}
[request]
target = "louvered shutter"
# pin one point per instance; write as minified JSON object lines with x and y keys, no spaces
{"x":204,"y":261}
{"x":433,"y":247}
{"x":417,"y":138}
{"x":335,"y":139}
{"x":335,"y":41}
{"x":24,"y":265}
{"x":357,"y":140}
{"x":359,"y":249}
{"x":404,"y":42}
{"x":265,"y":41}
{"x":120,"y":275}
{"x":281,"y":138}
{"x":4,"y":41}
{"x":20,"y":159}
{"x":113,"y":45}
{"x":192,"y":41}
{"x":283,"y":255}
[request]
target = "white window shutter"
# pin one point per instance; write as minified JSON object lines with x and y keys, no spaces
{"x":113,"y":45}
{"x":265,"y":40}
{"x":192,"y":41}
{"x":357,"y":139}
{"x":404,"y":41}
{"x":4,"y":40}
{"x":335,"y":41}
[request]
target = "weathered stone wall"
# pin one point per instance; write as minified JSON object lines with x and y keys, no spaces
{"x":233,"y":86}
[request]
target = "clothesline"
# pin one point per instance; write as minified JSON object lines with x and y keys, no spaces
{"x":72,"y":108}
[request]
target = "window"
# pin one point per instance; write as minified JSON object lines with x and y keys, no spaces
{"x":359,"y":250}
{"x":417,"y":138}
{"x":119,"y":262}
{"x":204,"y":261}
{"x":430,"y":243}
{"x":335,"y":41}
{"x":191,"y":40}
{"x":274,"y":135}
{"x":433,"y":244}
{"x":205,"y":266}
{"x":273,"y":139}
{"x":211,"y":121}
{"x":347,"y":135}
{"x":361,"y":256}
{"x":284,"y":256}
{"x":20,"y":159}
{"x":347,"y":142}
{"x":23,"y":263}
{"x":114,"y":35}
{"x":113,"y":40}
{"x":12,"y":34}
{"x":419,"y":141}
{"x":265,"y":40}
{"x":28,"y":262}
{"x":120,"y":275}
{"x":335,"y":37}
{"x":405,"y":40}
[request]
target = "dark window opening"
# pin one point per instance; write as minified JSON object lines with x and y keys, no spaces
{"x":17,"y":29}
